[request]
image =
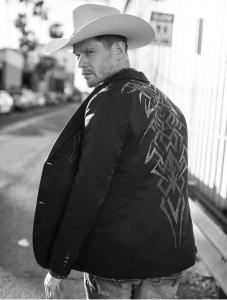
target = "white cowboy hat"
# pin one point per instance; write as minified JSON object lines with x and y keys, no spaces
{"x":92,"y":20}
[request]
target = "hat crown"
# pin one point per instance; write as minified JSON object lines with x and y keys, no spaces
{"x":92,"y":20}
{"x":86,"y":13}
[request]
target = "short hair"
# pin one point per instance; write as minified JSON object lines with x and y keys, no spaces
{"x":108,"y":40}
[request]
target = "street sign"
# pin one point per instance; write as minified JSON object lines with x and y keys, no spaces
{"x":163,"y":26}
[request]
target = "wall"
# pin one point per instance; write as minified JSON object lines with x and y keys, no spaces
{"x":196,"y":82}
{"x":12,"y":66}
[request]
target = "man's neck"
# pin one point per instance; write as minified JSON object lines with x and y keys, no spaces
{"x":123,"y":65}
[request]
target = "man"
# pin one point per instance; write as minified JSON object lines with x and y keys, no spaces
{"x":113,"y":198}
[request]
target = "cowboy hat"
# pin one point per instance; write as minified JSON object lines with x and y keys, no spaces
{"x":92,"y":20}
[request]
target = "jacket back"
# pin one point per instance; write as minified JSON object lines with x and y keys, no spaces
{"x":143,"y":226}
{"x":122,"y":210}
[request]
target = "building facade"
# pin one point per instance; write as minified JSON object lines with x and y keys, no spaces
{"x":188,"y":61}
{"x":11,"y":68}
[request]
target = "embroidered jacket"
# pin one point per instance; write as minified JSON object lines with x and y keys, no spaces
{"x":113,"y":197}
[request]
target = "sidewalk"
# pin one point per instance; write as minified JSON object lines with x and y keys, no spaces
{"x":197,"y":283}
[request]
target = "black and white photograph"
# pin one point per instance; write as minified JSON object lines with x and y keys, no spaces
{"x":113,"y":149}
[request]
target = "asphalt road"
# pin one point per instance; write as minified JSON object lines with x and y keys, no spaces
{"x":24,"y":145}
{"x":25,"y":141}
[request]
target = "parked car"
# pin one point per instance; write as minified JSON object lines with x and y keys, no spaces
{"x":75,"y":97}
{"x":6,"y":102}
{"x":40,"y":99}
{"x":23,"y":98}
{"x":51,"y":98}
{"x":30,"y":96}
{"x":54,"y":98}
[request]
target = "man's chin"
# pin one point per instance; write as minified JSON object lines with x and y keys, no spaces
{"x":91,"y":84}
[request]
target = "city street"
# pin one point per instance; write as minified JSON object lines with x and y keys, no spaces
{"x":24,"y":147}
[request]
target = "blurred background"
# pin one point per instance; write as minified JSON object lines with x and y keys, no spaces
{"x":38,"y":95}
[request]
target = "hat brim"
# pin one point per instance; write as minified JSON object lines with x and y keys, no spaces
{"x":138,"y":32}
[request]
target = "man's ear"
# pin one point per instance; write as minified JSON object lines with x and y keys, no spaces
{"x":120,"y":49}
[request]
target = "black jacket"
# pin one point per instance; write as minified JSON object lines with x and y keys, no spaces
{"x":113,"y":197}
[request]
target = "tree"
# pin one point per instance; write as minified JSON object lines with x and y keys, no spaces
{"x":28,"y":39}
{"x":39,"y":10}
{"x":55,"y":30}
{"x":45,"y":64}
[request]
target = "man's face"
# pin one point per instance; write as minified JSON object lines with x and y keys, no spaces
{"x":96,"y":60}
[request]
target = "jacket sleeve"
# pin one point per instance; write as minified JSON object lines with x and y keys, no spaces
{"x":104,"y":136}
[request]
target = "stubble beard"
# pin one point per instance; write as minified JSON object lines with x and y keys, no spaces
{"x":91,"y":84}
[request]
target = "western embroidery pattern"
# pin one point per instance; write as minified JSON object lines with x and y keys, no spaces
{"x":169,"y":134}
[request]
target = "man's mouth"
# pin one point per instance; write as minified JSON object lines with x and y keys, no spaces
{"x":86,"y":74}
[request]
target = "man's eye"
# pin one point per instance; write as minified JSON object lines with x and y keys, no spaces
{"x":89,"y":52}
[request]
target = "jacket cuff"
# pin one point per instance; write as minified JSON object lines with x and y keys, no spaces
{"x":58,"y":276}
{"x":60,"y":265}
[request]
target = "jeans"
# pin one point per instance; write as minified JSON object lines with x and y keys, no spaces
{"x":149,"y":288}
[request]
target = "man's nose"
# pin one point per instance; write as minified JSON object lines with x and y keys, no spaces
{"x":82,"y":61}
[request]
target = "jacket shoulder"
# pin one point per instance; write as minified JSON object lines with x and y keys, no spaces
{"x":105,"y":100}
{"x":129,"y":91}
{"x":121,"y":93}
{"x":146,"y":91}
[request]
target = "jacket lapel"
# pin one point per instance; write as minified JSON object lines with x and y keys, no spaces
{"x":75,"y":123}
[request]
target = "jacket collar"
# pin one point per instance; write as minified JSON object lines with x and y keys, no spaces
{"x":128,"y":73}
